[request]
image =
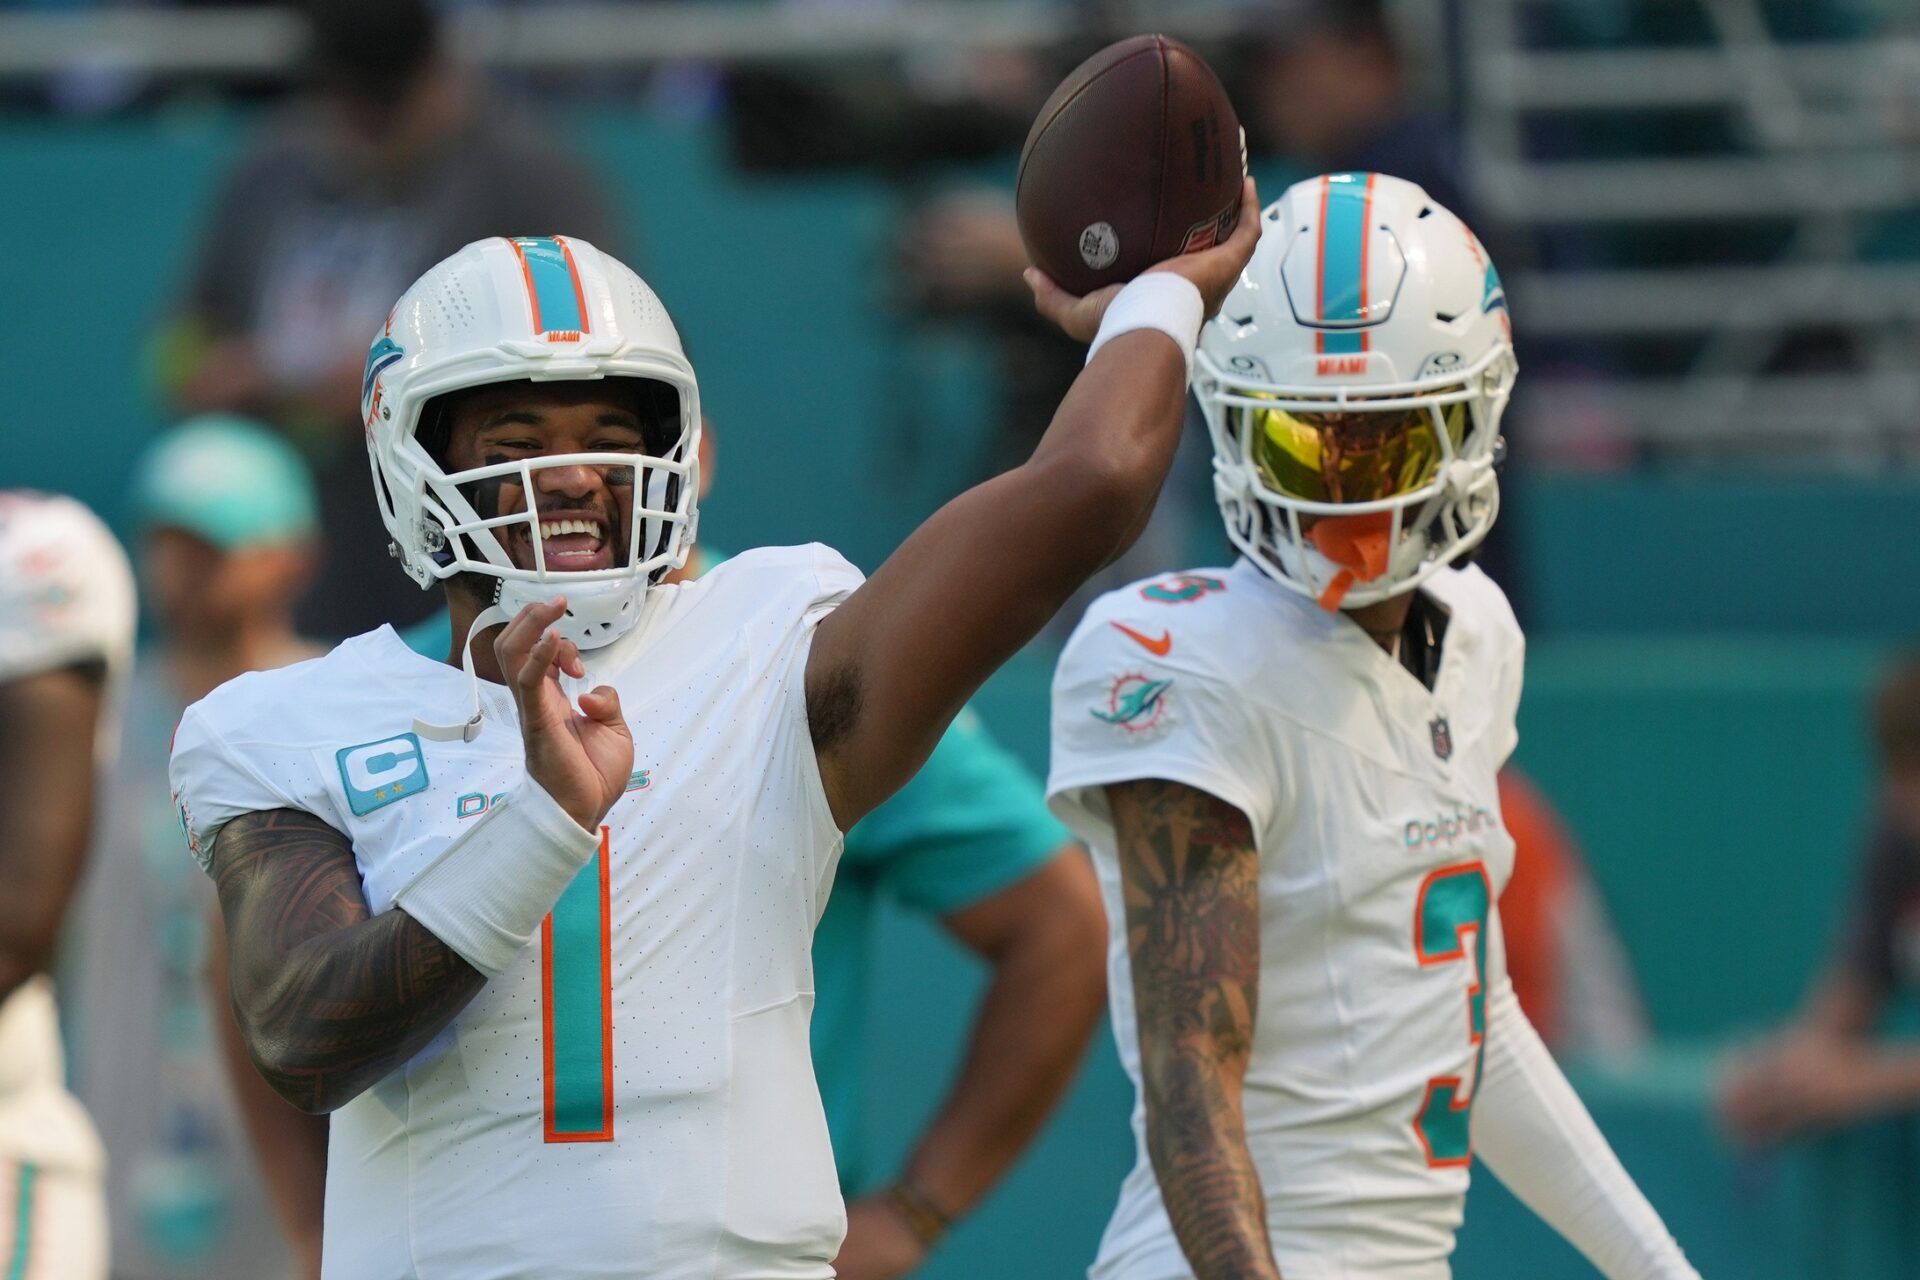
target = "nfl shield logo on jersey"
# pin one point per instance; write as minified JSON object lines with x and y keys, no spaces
{"x":1442,"y":737}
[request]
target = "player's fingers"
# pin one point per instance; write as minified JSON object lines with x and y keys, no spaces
{"x":525,"y":629}
{"x":603,"y":705}
{"x":567,"y":657}
{"x":1049,"y":299}
{"x":537,"y":667}
{"x":1246,"y":233}
{"x":1079,"y":318}
{"x":1215,"y":271}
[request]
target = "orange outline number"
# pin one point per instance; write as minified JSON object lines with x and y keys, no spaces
{"x":1454,"y":902}
{"x":576,"y":1006}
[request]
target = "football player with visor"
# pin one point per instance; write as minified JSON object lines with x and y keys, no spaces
{"x":1286,"y":771}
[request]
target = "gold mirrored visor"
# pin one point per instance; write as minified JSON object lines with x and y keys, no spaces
{"x":1351,"y":454}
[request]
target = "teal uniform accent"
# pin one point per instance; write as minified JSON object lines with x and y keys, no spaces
{"x":1453,"y":901}
{"x":553,"y":283}
{"x":1493,"y":293}
{"x":22,"y":1222}
{"x":384,"y":353}
{"x":1343,"y":248}
{"x":431,"y":637}
{"x":971,"y":823}
{"x":1139,"y":701}
{"x":579,"y":1033}
{"x":376,"y":774}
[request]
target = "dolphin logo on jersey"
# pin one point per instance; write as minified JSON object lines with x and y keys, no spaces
{"x":1134,"y":703}
{"x":375,"y":774}
{"x":384,"y":353}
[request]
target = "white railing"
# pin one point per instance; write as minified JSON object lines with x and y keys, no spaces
{"x":1829,"y":141}
{"x":575,"y":36}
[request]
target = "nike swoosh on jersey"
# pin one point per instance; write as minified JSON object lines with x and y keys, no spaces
{"x":1158,"y":648}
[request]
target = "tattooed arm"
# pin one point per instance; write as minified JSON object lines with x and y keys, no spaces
{"x":1191,"y":877}
{"x":329,"y":997}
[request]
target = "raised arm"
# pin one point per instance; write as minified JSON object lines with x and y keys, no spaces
{"x":1190,"y":872}
{"x":1533,"y":1131}
{"x":891,"y":667}
{"x":329,"y":997}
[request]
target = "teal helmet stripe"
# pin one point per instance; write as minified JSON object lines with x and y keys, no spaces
{"x":553,"y":284}
{"x":1346,"y":204}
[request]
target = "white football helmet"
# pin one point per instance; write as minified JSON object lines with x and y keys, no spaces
{"x":541,"y":308}
{"x":1353,"y":384}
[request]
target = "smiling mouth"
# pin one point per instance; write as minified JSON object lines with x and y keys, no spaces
{"x":569,"y":544}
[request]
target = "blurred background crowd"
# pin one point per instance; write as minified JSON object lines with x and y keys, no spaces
{"x":1707,"y":215}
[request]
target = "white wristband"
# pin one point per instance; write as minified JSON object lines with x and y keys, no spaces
{"x":1158,"y":300}
{"x":488,"y":891}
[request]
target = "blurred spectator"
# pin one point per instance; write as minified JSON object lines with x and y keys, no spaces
{"x":1832,"y":1064}
{"x":1324,"y":89}
{"x":393,"y":158}
{"x":228,"y":521}
{"x":1568,"y":966}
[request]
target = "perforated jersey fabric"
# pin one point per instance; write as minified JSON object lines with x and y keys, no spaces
{"x":492,"y":1154}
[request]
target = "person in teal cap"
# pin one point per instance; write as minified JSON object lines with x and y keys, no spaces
{"x":226,"y":540}
{"x":970,"y":843}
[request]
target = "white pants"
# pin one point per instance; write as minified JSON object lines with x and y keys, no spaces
{"x":53,"y":1224}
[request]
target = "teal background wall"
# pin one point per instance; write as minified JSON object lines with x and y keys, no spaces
{"x":1702,"y":647}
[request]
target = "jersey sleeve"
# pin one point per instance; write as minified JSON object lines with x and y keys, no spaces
{"x":834,"y":577}
{"x":212,"y":784}
{"x":1122,"y":712}
{"x":972,"y":822}
{"x":1510,"y":667}
{"x":66,"y":589}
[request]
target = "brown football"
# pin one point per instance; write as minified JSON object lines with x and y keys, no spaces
{"x":1137,"y":157}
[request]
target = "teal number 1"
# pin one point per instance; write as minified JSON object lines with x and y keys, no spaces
{"x":576,"y":1006}
{"x":1453,"y":903}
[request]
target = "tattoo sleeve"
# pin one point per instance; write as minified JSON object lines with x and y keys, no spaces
{"x":1191,"y":876}
{"x":329,"y":997}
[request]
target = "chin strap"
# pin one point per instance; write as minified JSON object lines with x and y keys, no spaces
{"x":470,"y":730}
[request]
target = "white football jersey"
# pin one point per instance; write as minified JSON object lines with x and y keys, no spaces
{"x":66,"y":598}
{"x":635,"y":1097}
{"x":1382,"y":852}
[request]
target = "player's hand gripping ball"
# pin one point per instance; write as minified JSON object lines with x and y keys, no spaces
{"x":1136,"y":158}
